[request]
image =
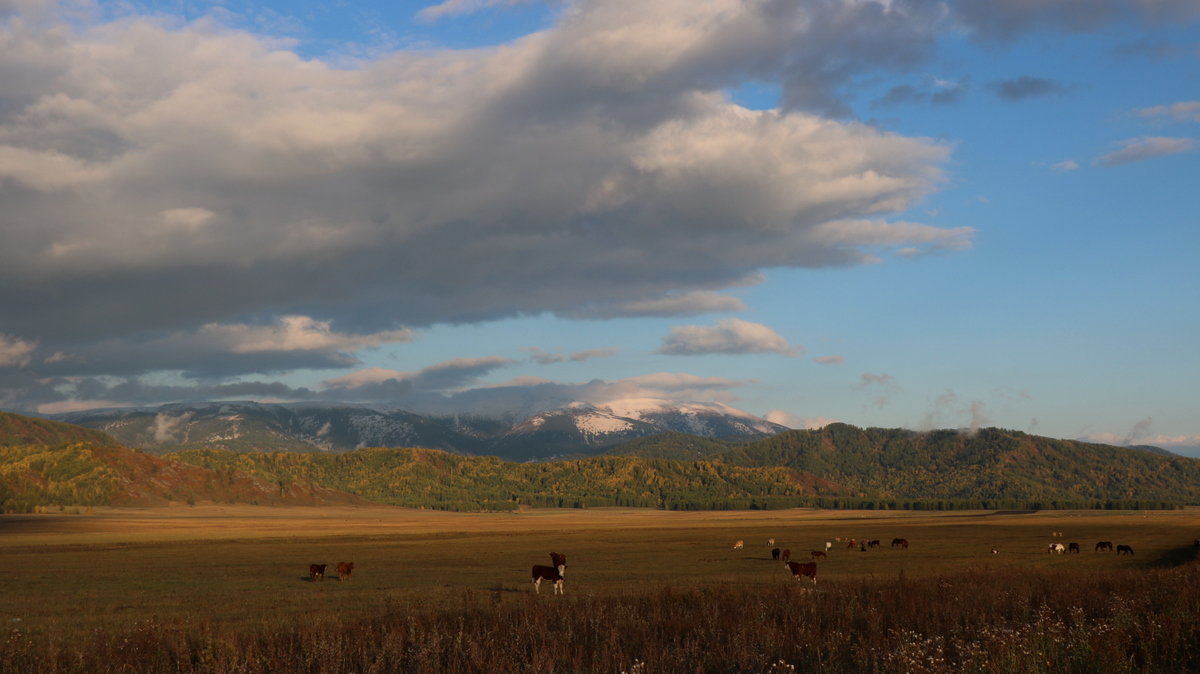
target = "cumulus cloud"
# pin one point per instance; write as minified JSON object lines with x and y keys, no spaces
{"x":188,"y":196}
{"x":1140,"y":149}
{"x":15,"y":352}
{"x":729,"y":335}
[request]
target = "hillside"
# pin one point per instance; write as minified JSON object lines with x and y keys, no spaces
{"x":839,"y":466}
{"x":437,"y":479}
{"x":989,"y":464}
{"x":52,"y":464}
{"x":16,"y":429}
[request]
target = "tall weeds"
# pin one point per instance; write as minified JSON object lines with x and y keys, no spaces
{"x":980,"y":621}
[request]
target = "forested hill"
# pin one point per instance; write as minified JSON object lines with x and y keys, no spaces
{"x":51,"y":464}
{"x":840,"y":466}
{"x":16,"y":429}
{"x":990,"y":464}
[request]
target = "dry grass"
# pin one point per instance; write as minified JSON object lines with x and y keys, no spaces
{"x":226,"y":589}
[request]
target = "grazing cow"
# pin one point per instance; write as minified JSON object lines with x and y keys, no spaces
{"x":829,"y":545}
{"x":316,"y":572}
{"x":775,"y":554}
{"x":738,"y":545}
{"x":901,"y":543}
{"x":995,"y":551}
{"x":770,"y":542}
{"x":549,"y":574}
{"x":874,"y":543}
{"x":800,"y":570}
{"x":1104,"y":545}
{"x":559,"y":562}
{"x":787,"y":555}
{"x":817,"y":554}
{"x":344,"y":569}
{"x":1124,"y":548}
{"x":1073,"y":547}
{"x":1056,"y":547}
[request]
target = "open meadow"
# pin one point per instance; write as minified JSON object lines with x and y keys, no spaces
{"x":226,"y":588}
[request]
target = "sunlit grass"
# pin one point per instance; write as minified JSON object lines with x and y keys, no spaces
{"x":673,"y":596}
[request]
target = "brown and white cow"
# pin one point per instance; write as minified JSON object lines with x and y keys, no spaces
{"x":801,"y":569}
{"x":344,"y":569}
{"x":787,"y":555}
{"x":549,"y":574}
{"x":737,"y":545}
{"x":316,"y":572}
{"x":1056,"y":547}
{"x":559,"y":562}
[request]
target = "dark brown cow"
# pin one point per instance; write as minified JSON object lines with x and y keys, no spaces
{"x":775,"y":554}
{"x":1073,"y":547}
{"x":787,"y":555}
{"x":900,"y":543}
{"x":799,"y":570}
{"x":873,"y":543}
{"x":316,"y":572}
{"x":1125,"y":549}
{"x":818,"y":554}
{"x":1104,"y":545}
{"x":550,"y":574}
{"x":344,"y":569}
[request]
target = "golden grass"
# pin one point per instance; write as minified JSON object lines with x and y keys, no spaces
{"x":243,"y":566}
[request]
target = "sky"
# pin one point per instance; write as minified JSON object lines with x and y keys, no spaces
{"x":894,"y":213}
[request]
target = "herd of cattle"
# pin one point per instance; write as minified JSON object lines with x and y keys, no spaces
{"x":554,"y":573}
{"x":801,"y":570}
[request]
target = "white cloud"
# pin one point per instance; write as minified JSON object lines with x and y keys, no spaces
{"x":1183,"y":111}
{"x":794,"y":421}
{"x":830,"y":360}
{"x":15,"y":352}
{"x":729,"y":335}
{"x":295,"y":333}
{"x":460,"y":7}
{"x":1139,"y":149}
{"x":382,"y":383}
{"x":1065,"y":166}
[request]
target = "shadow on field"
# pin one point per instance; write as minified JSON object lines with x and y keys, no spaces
{"x":1177,"y":557}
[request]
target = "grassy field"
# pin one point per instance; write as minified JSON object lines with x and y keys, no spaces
{"x":191,"y":581}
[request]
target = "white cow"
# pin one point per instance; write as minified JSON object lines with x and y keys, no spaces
{"x":1056,"y":547}
{"x":828,"y":546}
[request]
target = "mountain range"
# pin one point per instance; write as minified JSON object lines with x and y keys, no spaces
{"x":577,"y":429}
{"x":46,"y":463}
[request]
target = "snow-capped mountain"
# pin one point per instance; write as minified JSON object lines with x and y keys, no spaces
{"x":575,"y":429}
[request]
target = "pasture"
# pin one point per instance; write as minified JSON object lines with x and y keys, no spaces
{"x":214,"y":579}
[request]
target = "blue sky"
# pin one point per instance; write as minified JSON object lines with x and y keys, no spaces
{"x":903,"y":214}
